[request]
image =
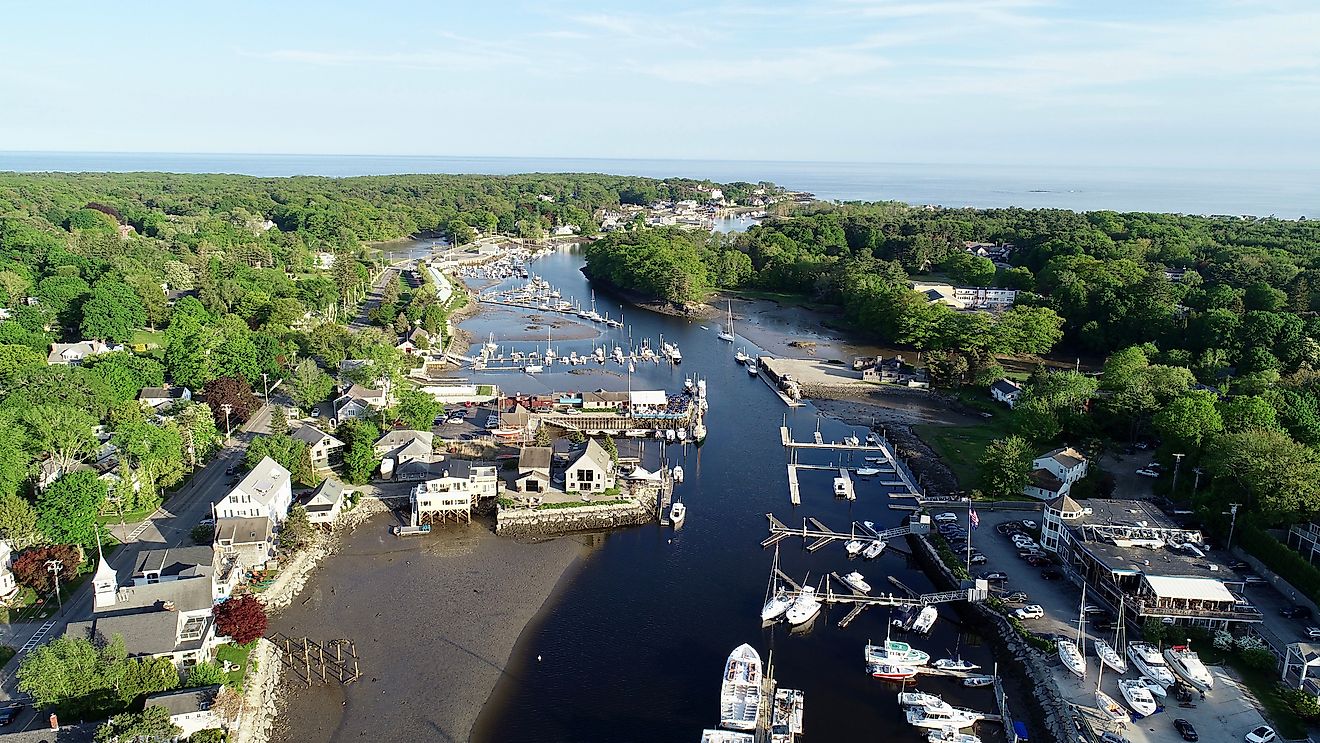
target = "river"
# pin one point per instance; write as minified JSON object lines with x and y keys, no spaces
{"x":634,"y":648}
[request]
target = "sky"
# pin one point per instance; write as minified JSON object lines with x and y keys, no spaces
{"x":1211,"y":83}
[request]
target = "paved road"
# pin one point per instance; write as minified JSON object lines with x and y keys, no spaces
{"x":372,"y":299}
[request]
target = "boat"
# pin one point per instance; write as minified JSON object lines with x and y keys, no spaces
{"x":677,"y":512}
{"x":925,"y":620}
{"x":805,"y":608}
{"x":688,"y":384}
{"x":972,"y":682}
{"x":786,"y":720}
{"x":669,"y":435}
{"x":1110,"y":709}
{"x":636,"y":433}
{"x":681,"y":435}
{"x":874,"y":549}
{"x":854,"y":547}
{"x":533,"y":368}
{"x":1146,"y":658}
{"x":937,"y":718}
{"x":752,"y":369}
{"x":740,"y":693}
{"x":740,"y":356}
{"x":678,"y":473}
{"x":851,"y":440}
{"x":659,"y":433}
{"x":955,"y":664}
{"x":895,"y":653}
{"x":875,"y":460}
{"x":868,"y":471}
{"x":1187,"y":664}
{"x":775,"y":606}
{"x":891,"y":671}
{"x":1110,"y":657}
{"x":904,"y":619}
{"x":1138,"y":696}
{"x":1071,"y":657}
{"x":701,"y":388}
{"x":857,"y":582}
{"x":841,"y":488}
{"x":727,"y":335}
{"x":726,"y":736}
{"x":919,"y":699}
{"x":872,"y":440}
{"x":950,"y":736}
{"x":698,"y":432}
{"x":1153,"y":686}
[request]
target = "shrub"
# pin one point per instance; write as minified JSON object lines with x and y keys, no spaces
{"x":1247,"y":643}
{"x":1277,"y":556}
{"x":1224,"y":640}
{"x":1259,"y":659}
{"x":203,"y":534}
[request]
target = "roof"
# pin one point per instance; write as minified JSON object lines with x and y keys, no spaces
{"x":186,"y":701}
{"x":180,"y":561}
{"x":186,"y":594}
{"x":82,"y":733}
{"x":243,"y":531}
{"x":263,"y":482}
{"x":1186,"y":587}
{"x":648,"y":397}
{"x":144,"y":632}
{"x":60,"y":351}
{"x":1006,"y":386}
{"x":358,"y":392}
{"x":595,"y":454}
{"x":313,"y":436}
{"x":1045,"y":480}
{"x":405,"y":443}
{"x":1064,"y":504}
{"x":1066,"y":456}
{"x":534,"y":458}
{"x":326,"y":495}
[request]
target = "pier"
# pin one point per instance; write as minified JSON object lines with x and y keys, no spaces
{"x":892,"y":471}
{"x":823,"y":535}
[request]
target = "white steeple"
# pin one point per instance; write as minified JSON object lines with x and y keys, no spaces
{"x":105,"y":582}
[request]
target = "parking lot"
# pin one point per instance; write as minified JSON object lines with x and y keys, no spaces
{"x":473,"y":425}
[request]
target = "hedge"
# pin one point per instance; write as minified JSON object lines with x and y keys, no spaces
{"x":1283,"y":560}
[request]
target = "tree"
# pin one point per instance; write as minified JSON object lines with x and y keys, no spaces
{"x":237,"y":394}
{"x":418,"y":410}
{"x":1241,"y":413}
{"x":1279,"y":477}
{"x":206,"y":673}
{"x":290,"y":453}
{"x":112,"y":312}
{"x":1189,"y":420}
{"x":543,"y":437}
{"x":360,"y":459}
{"x":18,"y":521}
{"x":309,"y":385}
{"x":139,"y":677}
{"x":67,"y":510}
{"x":459,"y":233}
{"x":125,"y":374}
{"x":73,"y":673}
{"x":297,"y":531}
{"x":31,"y":569}
{"x":151,"y":725}
{"x":209,"y":735}
{"x":65,"y":432}
{"x":241,"y":618}
{"x":1006,"y":466}
{"x":607,"y":443}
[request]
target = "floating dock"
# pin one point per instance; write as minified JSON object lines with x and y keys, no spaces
{"x":894,"y":473}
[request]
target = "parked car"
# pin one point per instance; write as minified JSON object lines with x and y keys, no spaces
{"x":1015,"y":597}
{"x":998,"y":576}
{"x":231,"y":469}
{"x":1029,"y":524}
{"x":1034,"y":611}
{"x":1296,"y":611}
{"x":1253,"y":580}
{"x":1051,"y":574}
{"x":1004,"y":529}
{"x":946,"y":517}
{"x":1240,"y":566}
{"x":9,"y":714}
{"x":1313,"y":633}
{"x":1037,"y":561}
{"x":1262,"y":734}
{"x":1147,"y":473}
{"x":1186,"y":730}
{"x":979,"y":559}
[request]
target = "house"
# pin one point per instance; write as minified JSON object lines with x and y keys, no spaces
{"x":190,"y":709}
{"x":1065,"y":463}
{"x":359,"y":402}
{"x":965,"y":297}
{"x":265,"y":491}
{"x":83,"y":732}
{"x":417,"y":340}
{"x":8,"y":584}
{"x":324,"y":260}
{"x":590,"y":471}
{"x":1006,"y":391}
{"x":72,"y":354}
{"x":157,"y":398}
{"x":248,"y":541}
{"x":884,"y":370}
{"x":407,"y":455}
{"x":438,"y":499}
{"x":324,"y":450}
{"x":533,"y":469}
{"x":326,"y":501}
{"x":179,"y":563}
{"x":604,"y":400}
{"x":482,"y":477}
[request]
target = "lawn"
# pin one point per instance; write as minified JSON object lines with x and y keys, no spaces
{"x":148,"y":338}
{"x":238,"y":655}
{"x":961,"y":447}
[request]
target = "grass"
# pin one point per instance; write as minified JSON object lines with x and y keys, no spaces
{"x":582,"y":504}
{"x":485,"y":390}
{"x":238,"y":655}
{"x":961,"y":447}
{"x":129,"y":517}
{"x":148,"y":338}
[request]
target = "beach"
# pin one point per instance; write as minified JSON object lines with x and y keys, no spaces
{"x":435,"y":621}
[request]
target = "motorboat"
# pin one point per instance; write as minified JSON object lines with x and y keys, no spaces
{"x":854,"y":547}
{"x":1110,"y":709}
{"x":950,"y":736}
{"x":681,"y":435}
{"x":740,"y":356}
{"x":1154,"y":686}
{"x":972,"y":682}
{"x":936,"y":718}
{"x":698,"y":432}
{"x":1138,"y":696}
{"x":688,"y":384}
{"x":1150,"y":663}
{"x":805,"y":608}
{"x":659,"y":433}
{"x":678,"y":473}
{"x":841,"y":487}
{"x":533,"y":368}
{"x":1109,"y":656}
{"x":752,"y":369}
{"x":868,"y":471}
{"x":776,"y":606}
{"x":874,"y":549}
{"x":851,"y":440}
{"x":740,"y":692}
{"x":875,"y":460}
{"x":857,"y":582}
{"x":1071,"y":657}
{"x":1187,"y":664}
{"x":701,"y":388}
{"x":726,"y":736}
{"x":677,"y":512}
{"x":919,"y":699}
{"x":891,"y":671}
{"x":896,"y":653}
{"x":669,"y":435}
{"x":925,"y":620}
{"x":872,"y":440}
{"x":955,"y":664}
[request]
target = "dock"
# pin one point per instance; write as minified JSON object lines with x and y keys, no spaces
{"x":893,"y":472}
{"x":821,"y":535}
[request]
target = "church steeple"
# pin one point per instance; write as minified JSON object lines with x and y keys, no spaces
{"x":105,"y":582}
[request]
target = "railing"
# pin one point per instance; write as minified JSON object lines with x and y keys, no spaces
{"x":1241,"y":615}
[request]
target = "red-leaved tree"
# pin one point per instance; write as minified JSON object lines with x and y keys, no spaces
{"x":31,"y":570}
{"x":237,"y":394}
{"x":241,"y":618}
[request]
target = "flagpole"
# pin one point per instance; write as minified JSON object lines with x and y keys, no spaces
{"x":969,"y":536}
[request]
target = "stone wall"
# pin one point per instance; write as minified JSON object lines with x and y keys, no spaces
{"x":521,"y":523}
{"x":260,"y":699}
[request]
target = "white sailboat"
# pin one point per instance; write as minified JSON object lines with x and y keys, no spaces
{"x":1070,"y":650}
{"x":1187,"y":664}
{"x":955,"y":664}
{"x":740,"y":692}
{"x":777,"y":600}
{"x":1138,"y":696}
{"x":727,"y":335}
{"x":1109,"y":709}
{"x":1108,"y":656}
{"x":1147,"y":660}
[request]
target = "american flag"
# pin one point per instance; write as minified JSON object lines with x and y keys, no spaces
{"x":973,"y":518}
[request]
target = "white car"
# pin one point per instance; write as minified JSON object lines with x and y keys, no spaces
{"x":1312,"y":633}
{"x":948,"y":517}
{"x":1147,"y":473}
{"x":1029,"y":524}
{"x":1033,"y":611}
{"x":1262,"y":734}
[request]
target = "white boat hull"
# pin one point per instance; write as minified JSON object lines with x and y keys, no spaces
{"x":1137,"y":696}
{"x":1188,"y":666}
{"x":1110,"y":709}
{"x":1110,"y":657}
{"x":1072,"y":658}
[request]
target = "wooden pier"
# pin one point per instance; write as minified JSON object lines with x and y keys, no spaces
{"x":823,"y":535}
{"x":335,"y":661}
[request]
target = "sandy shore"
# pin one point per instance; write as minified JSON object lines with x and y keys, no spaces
{"x":435,"y":620}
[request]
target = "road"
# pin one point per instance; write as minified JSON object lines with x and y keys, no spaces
{"x":372,"y":300}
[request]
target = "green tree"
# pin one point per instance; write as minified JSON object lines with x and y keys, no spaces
{"x":15,"y":457}
{"x":459,"y":233}
{"x":1006,"y":466}
{"x":139,"y":677}
{"x":360,"y":459}
{"x":418,"y":410}
{"x":206,"y":673}
{"x":124,"y":374}
{"x":112,"y":312}
{"x":310,"y":386}
{"x":18,"y":521}
{"x":1241,"y":413}
{"x":72,"y":673}
{"x":289,"y":452}
{"x":607,"y":443}
{"x":67,"y":510}
{"x":63,"y":431}
{"x":151,"y":725}
{"x":297,"y":532}
{"x":1279,"y":477}
{"x":1189,"y":420}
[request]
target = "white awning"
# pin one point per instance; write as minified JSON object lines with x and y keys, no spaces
{"x":654,"y":398}
{"x":1203,"y":589}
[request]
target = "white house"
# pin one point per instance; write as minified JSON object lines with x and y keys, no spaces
{"x":591,"y":471}
{"x":190,"y":709}
{"x":265,"y":491}
{"x":407,"y":455}
{"x":359,"y":402}
{"x":1054,"y":473}
{"x":533,"y":469}
{"x":163,"y":397}
{"x":327,"y":501}
{"x":322,"y":448}
{"x":8,"y":584}
{"x":1006,"y":391}
{"x":416,"y":340}
{"x":72,"y":354}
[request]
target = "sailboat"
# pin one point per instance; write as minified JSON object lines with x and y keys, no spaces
{"x":1069,"y":650}
{"x":1111,"y":655}
{"x":740,"y":356}
{"x":727,"y":335}
{"x":1109,"y":709}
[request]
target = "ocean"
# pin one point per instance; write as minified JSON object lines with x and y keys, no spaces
{"x":1282,"y":193}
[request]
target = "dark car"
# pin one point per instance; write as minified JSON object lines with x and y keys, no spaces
{"x":9,"y":714}
{"x":1296,"y":611}
{"x":1185,"y":729}
{"x":1037,"y":561}
{"x":231,"y":469}
{"x":998,"y":576}
{"x":1051,"y":574}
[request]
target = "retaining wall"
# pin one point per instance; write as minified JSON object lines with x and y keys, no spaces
{"x":534,"y":523}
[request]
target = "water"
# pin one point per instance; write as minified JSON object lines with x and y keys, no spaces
{"x":635,"y":647}
{"x":1284,"y":193}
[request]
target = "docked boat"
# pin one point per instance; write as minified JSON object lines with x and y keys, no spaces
{"x":872,"y":440}
{"x":857,"y":582}
{"x":786,"y":718}
{"x":1071,"y":657}
{"x":726,"y":736}
{"x":925,"y":620}
{"x":805,"y":608}
{"x":937,"y":718}
{"x":752,"y":369}
{"x":669,"y":435}
{"x":698,"y":432}
{"x":681,"y":435}
{"x":852,"y":440}
{"x":688,"y":384}
{"x":955,"y":664}
{"x":973,"y":682}
{"x":896,"y":653}
{"x":841,"y":487}
{"x":677,"y":512}
{"x":950,"y":736}
{"x":1138,"y":696}
{"x":1149,"y":663}
{"x":874,"y":549}
{"x":776,"y":606}
{"x":1109,"y":656}
{"x":1110,"y":709}
{"x":740,"y":693}
{"x":678,"y":473}
{"x":740,"y":356}
{"x":533,"y":368}
{"x":919,"y":699}
{"x":891,"y":671}
{"x":1187,"y":664}
{"x":854,"y":547}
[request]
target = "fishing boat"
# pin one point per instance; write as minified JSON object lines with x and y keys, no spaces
{"x":874,"y":549}
{"x":919,"y":699}
{"x":677,"y":512}
{"x":891,"y":671}
{"x":740,"y":356}
{"x":896,"y":653}
{"x":752,"y":369}
{"x":1187,"y":664}
{"x":925,"y":620}
{"x":942,"y":718}
{"x":1110,"y":657}
{"x":1138,"y":696}
{"x":678,"y":473}
{"x":955,"y":664}
{"x":805,"y":608}
{"x":727,"y":335}
{"x":786,"y":720}
{"x":973,"y":682}
{"x":857,"y":582}
{"x":740,"y":693}
{"x":868,"y":471}
{"x":950,"y":736}
{"x":1150,"y":663}
{"x":854,"y":547}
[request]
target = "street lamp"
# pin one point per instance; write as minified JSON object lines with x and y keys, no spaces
{"x":265,"y":383}
{"x":1232,"y":510}
{"x":227,"y":408}
{"x":54,"y":567}
{"x":1177,"y":462}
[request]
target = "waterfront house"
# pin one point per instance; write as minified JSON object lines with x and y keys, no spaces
{"x":482,"y":477}
{"x":1006,"y":391}
{"x":407,"y":454}
{"x":439,"y":499}
{"x":1053,"y":473}
{"x":192,"y":710}
{"x":415,"y":341}
{"x":590,"y":470}
{"x":72,"y":354}
{"x":533,"y":469}
{"x":604,"y":400}
{"x":326,"y":501}
{"x":157,"y":398}
{"x":265,"y":491}
{"x":324,"y":450}
{"x":248,"y":542}
{"x":966,"y":297}
{"x":8,"y":584}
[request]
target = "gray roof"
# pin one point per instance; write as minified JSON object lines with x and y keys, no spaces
{"x":595,"y":454}
{"x":326,"y":495}
{"x":1066,"y":456}
{"x":1045,"y":480}
{"x":1006,"y":386}
{"x":243,"y":531}
{"x":405,"y":443}
{"x":179,"y":561}
{"x":263,"y":481}
{"x":534,"y":458}
{"x":82,"y":733}
{"x":313,"y":436}
{"x":186,"y":701}
{"x":187,"y":594}
{"x":144,"y":632}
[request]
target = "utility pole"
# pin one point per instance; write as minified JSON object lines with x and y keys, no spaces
{"x":227,"y":408}
{"x":265,"y":382}
{"x":54,"y":567}
{"x":1196,"y":484}
{"x":1177,"y":462}
{"x":1232,"y":510}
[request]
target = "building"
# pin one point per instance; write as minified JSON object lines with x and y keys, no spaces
{"x":591,"y":470}
{"x":265,"y":491}
{"x":245,"y":542}
{"x":179,"y":563}
{"x":190,"y":709}
{"x":482,"y":477}
{"x":604,"y":400}
{"x":324,"y":450}
{"x":533,"y":469}
{"x":1130,"y":553}
{"x":1006,"y":391}
{"x":440,"y":499}
{"x":416,"y":341}
{"x":359,"y":402}
{"x":966,"y":297}
{"x":1054,"y":473}
{"x":326,"y":501}
{"x":8,"y":583}
{"x":157,"y":398}
{"x":72,"y":354}
{"x":407,"y":455}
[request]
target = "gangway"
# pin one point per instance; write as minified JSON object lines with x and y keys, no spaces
{"x":823,"y":535}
